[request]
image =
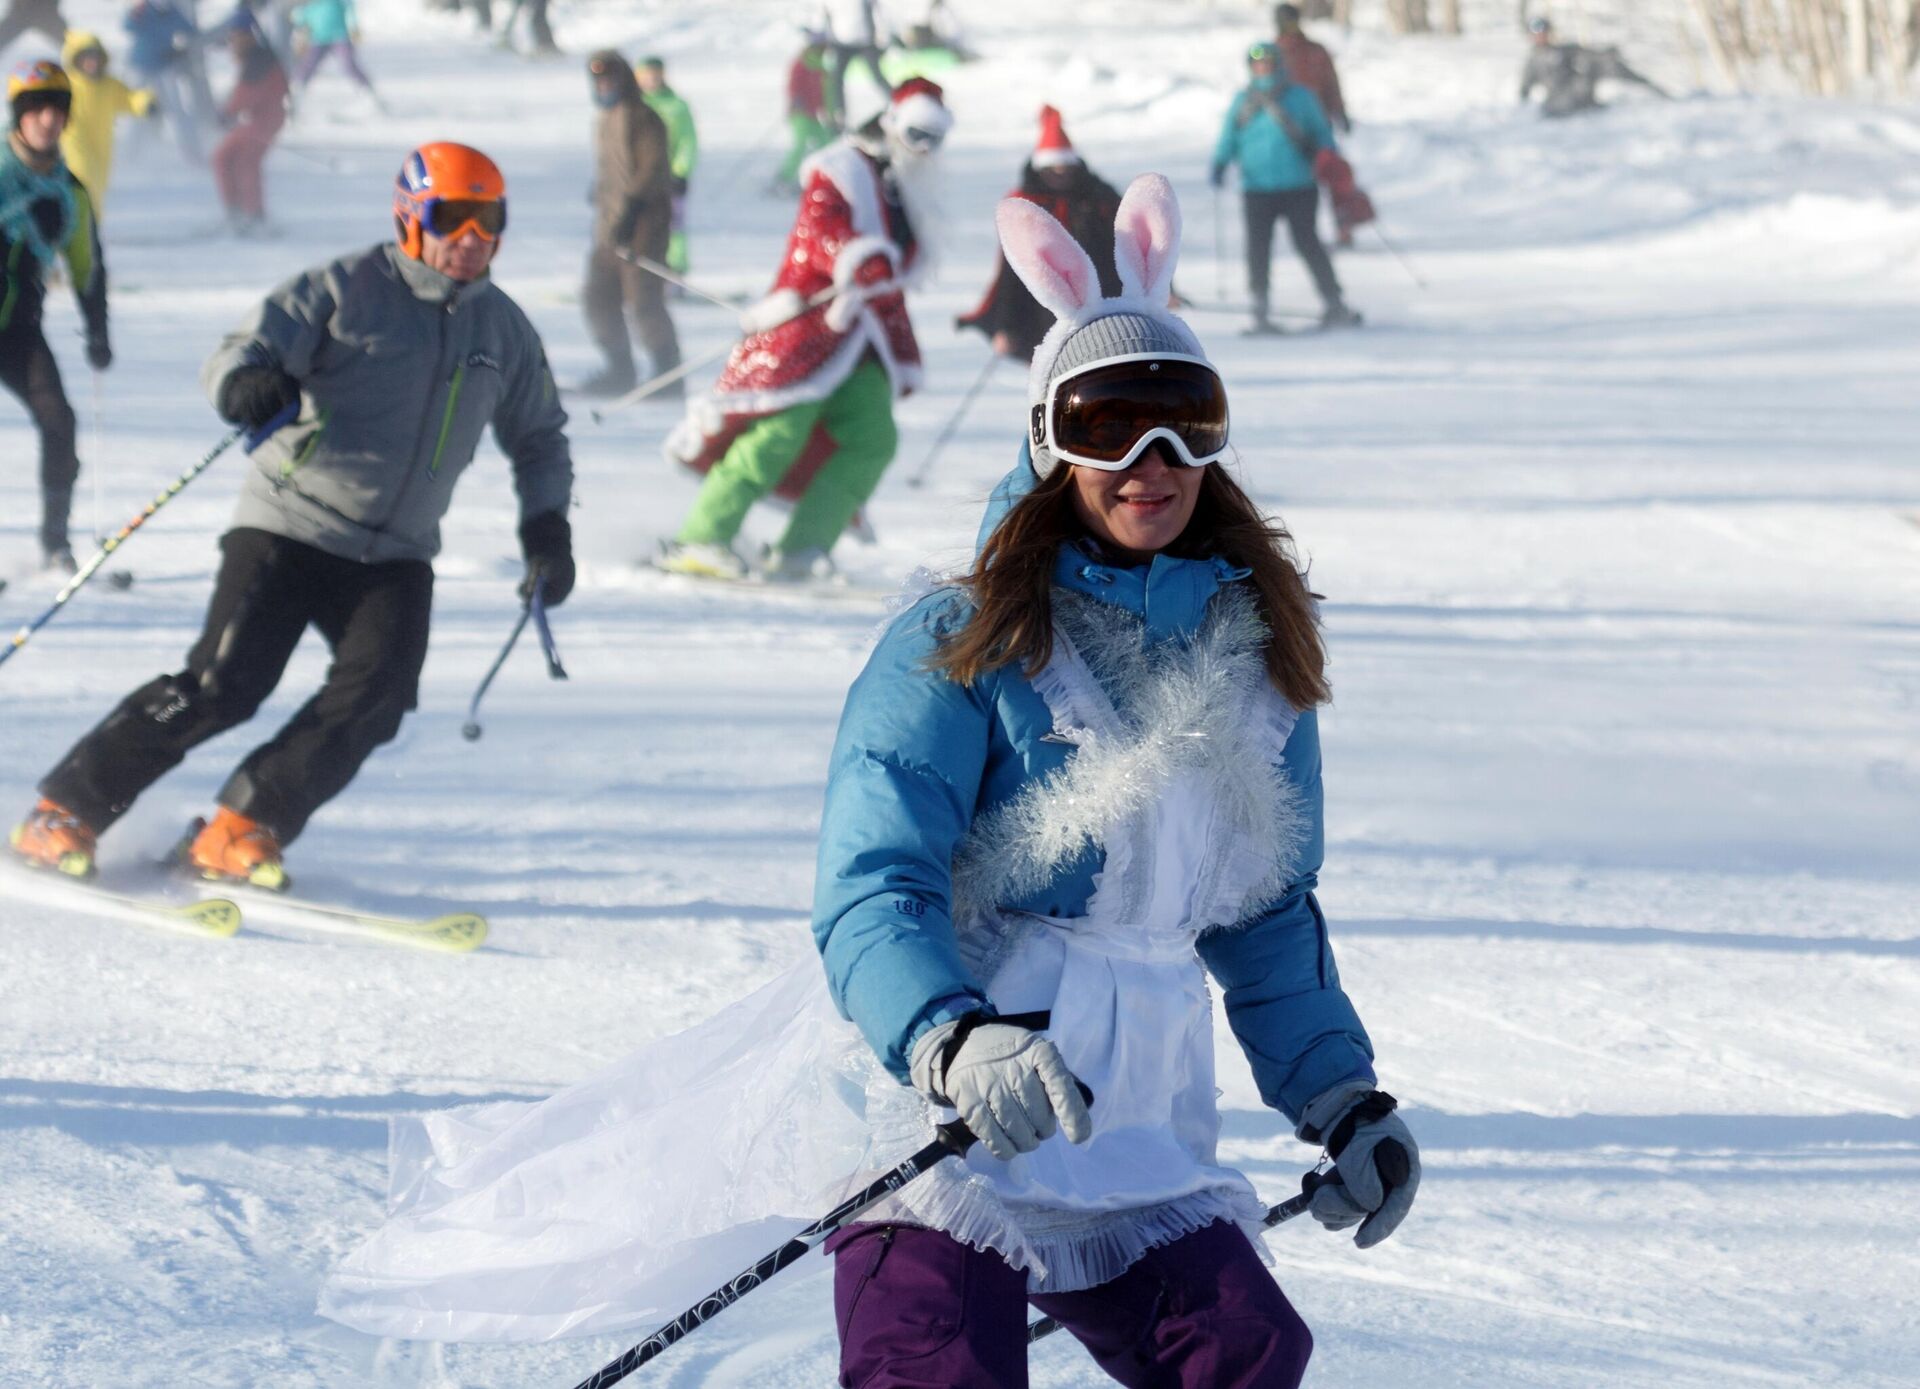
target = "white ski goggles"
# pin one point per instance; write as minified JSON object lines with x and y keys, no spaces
{"x":1105,"y":414}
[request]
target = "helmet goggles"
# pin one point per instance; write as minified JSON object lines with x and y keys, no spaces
{"x":1105,"y":414}
{"x":449,"y":218}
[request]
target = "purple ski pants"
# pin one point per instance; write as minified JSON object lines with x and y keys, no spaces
{"x":917,"y":1309}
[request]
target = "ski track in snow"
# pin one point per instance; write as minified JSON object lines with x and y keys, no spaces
{"x":1624,"y":775}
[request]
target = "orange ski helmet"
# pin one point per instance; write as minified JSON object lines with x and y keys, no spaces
{"x":442,"y":190}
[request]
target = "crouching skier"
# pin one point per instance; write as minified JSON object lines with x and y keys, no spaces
{"x":388,"y":364}
{"x":1065,"y":791}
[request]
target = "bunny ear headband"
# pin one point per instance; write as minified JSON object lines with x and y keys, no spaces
{"x":1062,"y":277}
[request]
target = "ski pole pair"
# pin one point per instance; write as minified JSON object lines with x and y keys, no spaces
{"x":118,"y":538}
{"x":950,"y":1140}
{"x":534,"y":609}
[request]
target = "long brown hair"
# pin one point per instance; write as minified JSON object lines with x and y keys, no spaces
{"x":1011,"y":584}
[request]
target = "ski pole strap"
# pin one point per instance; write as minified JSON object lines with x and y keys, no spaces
{"x":538,"y":607}
{"x":285,"y":416}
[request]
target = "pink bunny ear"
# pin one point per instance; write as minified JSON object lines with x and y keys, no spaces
{"x":1046,"y":258}
{"x":1146,"y":238}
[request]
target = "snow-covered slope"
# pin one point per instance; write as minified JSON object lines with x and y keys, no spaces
{"x":1616,"y":525}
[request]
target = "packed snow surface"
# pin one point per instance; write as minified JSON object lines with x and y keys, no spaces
{"x":1618,"y":524}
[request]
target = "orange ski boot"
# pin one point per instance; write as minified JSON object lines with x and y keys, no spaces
{"x":240,"y":849}
{"x":54,"y":837}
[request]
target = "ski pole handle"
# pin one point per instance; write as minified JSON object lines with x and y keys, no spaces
{"x":114,"y":542}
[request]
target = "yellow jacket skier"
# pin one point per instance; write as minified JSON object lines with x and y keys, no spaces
{"x":98,"y":101}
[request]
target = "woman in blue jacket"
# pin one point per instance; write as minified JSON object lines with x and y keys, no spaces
{"x":1064,"y":793}
{"x":1275,"y":131}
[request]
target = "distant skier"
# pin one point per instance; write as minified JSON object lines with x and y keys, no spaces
{"x":1055,"y":178}
{"x":632,"y":212}
{"x":46,"y":214}
{"x":256,"y":109}
{"x":1274,"y":130}
{"x":386,"y":366}
{"x":99,"y":100}
{"x":1570,"y":75}
{"x":683,"y":147}
{"x":331,"y":26}
{"x":1309,"y":64}
{"x":808,"y":124}
{"x":854,"y":32}
{"x":161,"y":59}
{"x":804,"y":408}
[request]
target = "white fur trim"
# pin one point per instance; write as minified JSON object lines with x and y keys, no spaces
{"x":851,"y":172}
{"x":1053,"y":159}
{"x":772,"y":311}
{"x":919,"y":110}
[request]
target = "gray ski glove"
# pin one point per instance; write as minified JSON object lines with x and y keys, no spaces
{"x":1376,"y":1161}
{"x":1009,"y":1084}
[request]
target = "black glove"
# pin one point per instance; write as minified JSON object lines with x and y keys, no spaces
{"x":547,"y":542}
{"x":251,"y":396}
{"x":99,"y":353}
{"x":1217,"y":176}
{"x":679,"y":186}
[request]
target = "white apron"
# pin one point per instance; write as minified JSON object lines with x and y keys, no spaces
{"x":618,"y":1202}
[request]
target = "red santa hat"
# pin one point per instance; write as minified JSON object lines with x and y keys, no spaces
{"x":920,"y":106}
{"x":1054,"y":148}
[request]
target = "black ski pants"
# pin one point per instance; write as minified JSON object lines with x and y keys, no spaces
{"x":1301,"y":209}
{"x":28,"y":370}
{"x":269,"y":590}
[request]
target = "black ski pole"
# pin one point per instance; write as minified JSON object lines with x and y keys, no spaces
{"x":919,"y":475}
{"x":119,"y":537}
{"x":953,"y":1139}
{"x":1276,"y":1215}
{"x":470,"y":730}
{"x":1405,"y":264}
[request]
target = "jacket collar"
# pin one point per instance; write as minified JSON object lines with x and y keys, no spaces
{"x":1170,"y":594}
{"x":430,"y":285}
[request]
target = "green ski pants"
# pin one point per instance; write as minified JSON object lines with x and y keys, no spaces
{"x":858,"y":416}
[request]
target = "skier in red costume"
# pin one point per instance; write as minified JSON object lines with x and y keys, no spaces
{"x":804,"y":408}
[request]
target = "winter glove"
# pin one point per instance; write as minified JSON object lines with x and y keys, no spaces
{"x":547,"y":542}
{"x":251,"y":396}
{"x":1008,"y":1082}
{"x":679,"y":186}
{"x":1217,"y":176}
{"x":99,"y":351}
{"x":872,"y":279}
{"x":1375,"y":1158}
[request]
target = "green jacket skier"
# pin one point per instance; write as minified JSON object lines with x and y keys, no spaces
{"x":683,"y":147}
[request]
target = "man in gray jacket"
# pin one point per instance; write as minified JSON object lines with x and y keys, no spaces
{"x":1570,"y":74}
{"x":372,"y":378}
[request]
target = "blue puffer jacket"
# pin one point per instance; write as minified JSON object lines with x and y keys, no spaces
{"x":919,"y":757}
{"x":160,"y":33}
{"x":1269,"y":160}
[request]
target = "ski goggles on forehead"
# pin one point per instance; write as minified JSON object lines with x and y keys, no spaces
{"x":1106,"y":414}
{"x":448,"y":218}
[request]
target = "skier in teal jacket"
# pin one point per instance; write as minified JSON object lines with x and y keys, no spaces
{"x":1273,"y":131}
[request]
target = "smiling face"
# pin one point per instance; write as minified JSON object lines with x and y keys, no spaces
{"x":1139,"y":511}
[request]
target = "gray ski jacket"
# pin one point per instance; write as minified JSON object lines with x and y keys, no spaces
{"x":400,"y":369}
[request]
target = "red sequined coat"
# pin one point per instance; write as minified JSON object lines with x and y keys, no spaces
{"x":841,"y":238}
